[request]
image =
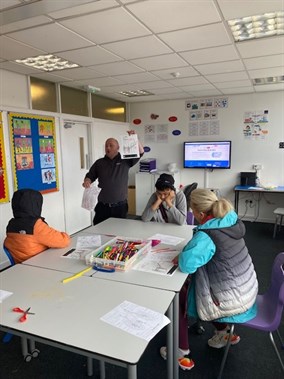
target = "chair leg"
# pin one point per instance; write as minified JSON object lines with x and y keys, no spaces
{"x":275,"y":226}
{"x":226,"y":352}
{"x":280,"y":339}
{"x":276,"y":351}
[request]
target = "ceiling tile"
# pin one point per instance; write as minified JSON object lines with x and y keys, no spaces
{"x":93,"y":26}
{"x":210,"y":55}
{"x":234,"y":9}
{"x":11,"y":50}
{"x":156,"y":84}
{"x":188,"y":81}
{"x":197,"y":38}
{"x":78,"y":73}
{"x":232,"y":84}
{"x":231,"y":91}
{"x":19,"y":68}
{"x":98,"y":82}
{"x":160,"y":62}
{"x":180,"y":72}
{"x":241,"y":75}
{"x":8,"y":3}
{"x":137,"y":78}
{"x":266,"y":72}
{"x":138,"y":47}
{"x":118,"y":68}
{"x":220,"y":67}
{"x":52,"y":38}
{"x":174,"y":15}
{"x":261,"y":47}
{"x":51,"y":77}
{"x":26,"y":23}
{"x":198,"y":87}
{"x":263,"y":62}
{"x":210,"y":92}
{"x":89,"y":56}
{"x":93,"y":6}
{"x":270,"y":87}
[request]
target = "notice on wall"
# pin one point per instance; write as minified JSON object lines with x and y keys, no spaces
{"x":156,"y":133}
{"x":33,"y":145}
{"x":255,"y":125}
{"x":4,"y":195}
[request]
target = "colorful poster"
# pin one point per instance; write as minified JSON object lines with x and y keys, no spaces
{"x":33,"y":147}
{"x":4,"y":194}
{"x":255,"y":124}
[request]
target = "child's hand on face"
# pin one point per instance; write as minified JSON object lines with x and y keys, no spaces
{"x":169,"y":198}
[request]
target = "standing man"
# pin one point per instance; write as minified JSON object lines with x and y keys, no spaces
{"x":112,"y":174}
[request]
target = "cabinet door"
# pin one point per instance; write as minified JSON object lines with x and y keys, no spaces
{"x":145,"y":186}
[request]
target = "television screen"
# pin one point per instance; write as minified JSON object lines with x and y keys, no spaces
{"x":207,"y":154}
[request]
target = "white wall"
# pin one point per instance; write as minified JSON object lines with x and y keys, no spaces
{"x":245,"y":153}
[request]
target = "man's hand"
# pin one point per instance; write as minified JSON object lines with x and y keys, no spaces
{"x":87,"y":183}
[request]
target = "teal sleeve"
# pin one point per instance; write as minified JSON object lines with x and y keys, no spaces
{"x":199,"y":250}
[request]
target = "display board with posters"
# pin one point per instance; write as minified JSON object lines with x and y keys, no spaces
{"x":33,"y":146}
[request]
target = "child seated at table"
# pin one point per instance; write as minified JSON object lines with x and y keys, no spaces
{"x":27,"y":233}
{"x":224,"y":286}
{"x":166,"y":205}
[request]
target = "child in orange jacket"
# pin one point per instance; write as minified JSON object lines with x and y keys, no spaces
{"x":27,"y":233}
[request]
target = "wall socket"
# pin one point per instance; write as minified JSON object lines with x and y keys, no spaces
{"x":257,"y":166}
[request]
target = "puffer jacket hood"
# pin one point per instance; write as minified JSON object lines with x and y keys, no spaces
{"x":27,"y":203}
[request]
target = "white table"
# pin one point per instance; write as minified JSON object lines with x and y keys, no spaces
{"x":68,"y":315}
{"x":52,"y":259}
{"x":140,"y":229}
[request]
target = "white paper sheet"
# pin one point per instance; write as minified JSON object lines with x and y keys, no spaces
{"x":166,"y":239}
{"x":157,"y":263}
{"x":4,"y":294}
{"x":85,"y":242}
{"x":137,"y":320}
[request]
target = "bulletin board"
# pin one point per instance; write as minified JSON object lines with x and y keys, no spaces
{"x":33,"y":146}
{"x":4,"y":194}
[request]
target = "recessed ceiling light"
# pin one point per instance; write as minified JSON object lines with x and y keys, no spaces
{"x":47,"y":63}
{"x":139,"y":92}
{"x":259,"y":26}
{"x":269,"y":80}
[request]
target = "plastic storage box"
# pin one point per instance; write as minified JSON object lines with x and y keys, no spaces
{"x":119,"y":253}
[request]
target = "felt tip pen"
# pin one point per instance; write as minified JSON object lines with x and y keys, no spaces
{"x":77,"y":275}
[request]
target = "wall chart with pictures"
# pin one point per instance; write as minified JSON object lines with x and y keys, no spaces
{"x":33,"y":145}
{"x":4,"y":194}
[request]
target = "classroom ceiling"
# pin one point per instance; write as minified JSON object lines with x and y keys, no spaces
{"x":174,"y":49}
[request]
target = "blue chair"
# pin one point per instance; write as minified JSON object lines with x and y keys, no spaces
{"x":269,"y":311}
{"x":24,"y":341}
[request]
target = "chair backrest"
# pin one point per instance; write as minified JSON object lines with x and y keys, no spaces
{"x":7,"y":252}
{"x":187,"y":192}
{"x":274,"y":296}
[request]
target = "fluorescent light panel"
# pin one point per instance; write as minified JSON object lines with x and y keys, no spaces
{"x":47,"y":63}
{"x":269,"y":80}
{"x":139,"y":92}
{"x":264,"y":25}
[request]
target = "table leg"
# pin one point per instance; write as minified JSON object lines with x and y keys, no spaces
{"x":102,"y":370}
{"x":131,"y":372}
{"x":237,"y":201}
{"x":170,"y":350}
{"x":89,"y":366}
{"x":176,"y":335}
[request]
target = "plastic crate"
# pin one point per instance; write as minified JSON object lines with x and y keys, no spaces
{"x":121,"y":258}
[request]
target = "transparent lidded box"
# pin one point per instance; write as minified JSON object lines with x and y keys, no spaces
{"x":94,"y":258}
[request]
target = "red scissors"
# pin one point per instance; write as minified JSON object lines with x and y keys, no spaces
{"x":25,"y":313}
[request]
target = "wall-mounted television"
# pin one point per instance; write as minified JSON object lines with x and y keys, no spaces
{"x":207,"y":154}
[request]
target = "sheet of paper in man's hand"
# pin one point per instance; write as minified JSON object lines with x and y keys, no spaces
{"x":129,"y":147}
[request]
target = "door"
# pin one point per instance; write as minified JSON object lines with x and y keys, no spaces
{"x":75,"y":153}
